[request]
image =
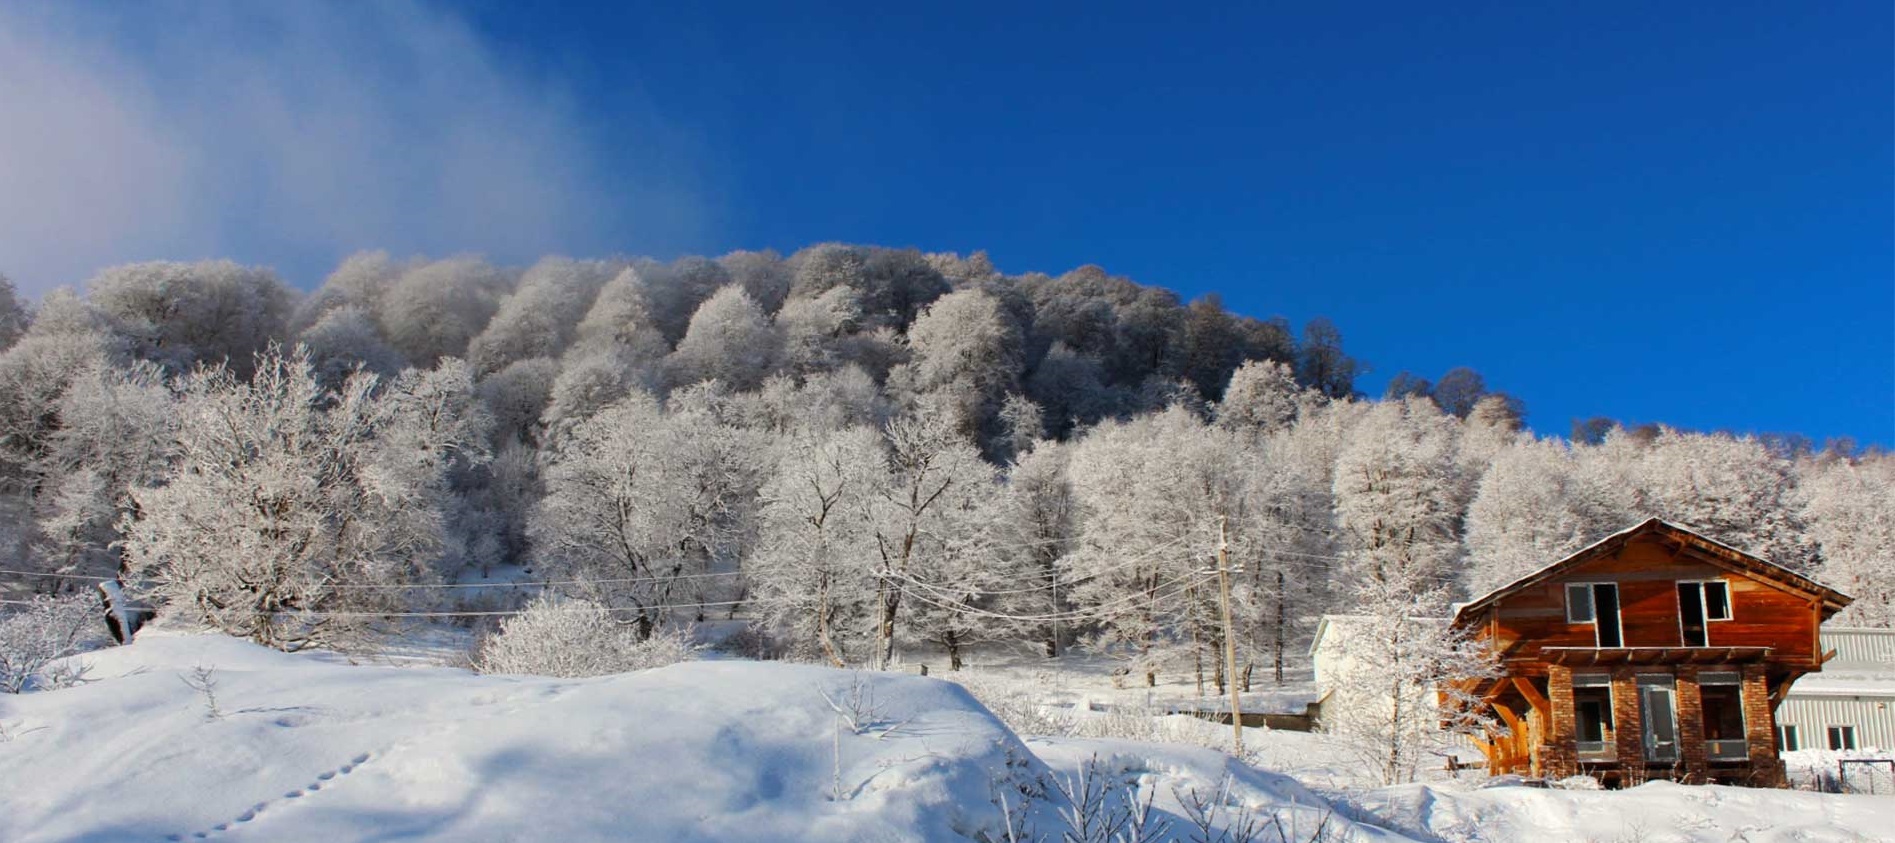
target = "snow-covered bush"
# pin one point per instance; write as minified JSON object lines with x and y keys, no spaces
{"x":50,"y":629}
{"x":571,"y":638}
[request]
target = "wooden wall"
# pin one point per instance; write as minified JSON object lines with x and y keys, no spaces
{"x":1647,"y":571}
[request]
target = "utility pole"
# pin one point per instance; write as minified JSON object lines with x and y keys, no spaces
{"x":1230,"y":636}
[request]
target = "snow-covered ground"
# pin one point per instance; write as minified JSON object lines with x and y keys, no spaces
{"x":314,"y":747}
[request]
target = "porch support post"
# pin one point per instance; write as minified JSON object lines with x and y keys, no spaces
{"x":1559,"y":754}
{"x":1760,"y":729}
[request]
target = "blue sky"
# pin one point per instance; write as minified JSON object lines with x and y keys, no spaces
{"x":1658,"y":212}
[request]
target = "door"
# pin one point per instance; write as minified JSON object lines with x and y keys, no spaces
{"x":1658,"y":709}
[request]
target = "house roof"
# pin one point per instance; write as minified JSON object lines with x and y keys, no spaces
{"x":1714,"y":552}
{"x":1339,"y":628}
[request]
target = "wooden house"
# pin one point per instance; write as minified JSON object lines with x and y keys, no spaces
{"x":1655,"y":653}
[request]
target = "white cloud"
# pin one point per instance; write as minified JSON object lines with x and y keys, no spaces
{"x":293,"y":133}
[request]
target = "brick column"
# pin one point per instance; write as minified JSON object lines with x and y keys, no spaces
{"x":1627,"y":727}
{"x":1760,"y":730}
{"x":1691,"y":750}
{"x":1559,"y":750}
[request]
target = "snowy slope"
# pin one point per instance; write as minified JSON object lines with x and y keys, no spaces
{"x":311,"y":749}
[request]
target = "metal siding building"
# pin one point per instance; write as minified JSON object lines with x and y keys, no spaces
{"x":1856,"y":690}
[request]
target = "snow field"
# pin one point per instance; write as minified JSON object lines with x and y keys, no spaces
{"x":311,"y":747}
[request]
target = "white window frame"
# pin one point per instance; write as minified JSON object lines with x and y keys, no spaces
{"x":1592,"y":606}
{"x":1831,"y":733}
{"x":1705,"y":607}
{"x":1592,"y":592}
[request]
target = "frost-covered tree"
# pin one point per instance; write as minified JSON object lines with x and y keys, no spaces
{"x":14,"y":314}
{"x":647,"y":507}
{"x":812,"y":575}
{"x":572,"y":638}
{"x":184,"y":314}
{"x":1262,"y":398}
{"x":730,"y":340}
{"x":345,"y":339}
{"x":674,"y":291}
{"x":1397,"y":690}
{"x":921,"y":517}
{"x":69,"y":339}
{"x":541,"y":317}
{"x":1152,"y":494}
{"x":117,"y":435}
{"x":817,"y":331}
{"x":1849,"y":506}
{"x":967,"y":353}
{"x":434,"y":310}
{"x":516,"y":397}
{"x":359,"y":282}
{"x":1040,"y":524}
{"x":1732,"y":489}
{"x":764,"y":275}
{"x":1525,"y":515}
{"x":291,"y":512}
{"x":1399,"y":502}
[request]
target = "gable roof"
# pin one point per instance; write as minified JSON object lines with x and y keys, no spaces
{"x":1711,"y":551}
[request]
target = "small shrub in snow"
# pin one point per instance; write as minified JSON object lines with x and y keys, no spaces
{"x":32,"y":640}
{"x":571,"y":638}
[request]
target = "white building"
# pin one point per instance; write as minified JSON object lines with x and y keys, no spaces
{"x":1851,"y":703}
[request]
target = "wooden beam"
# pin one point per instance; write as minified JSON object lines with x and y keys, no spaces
{"x":1533,"y":696}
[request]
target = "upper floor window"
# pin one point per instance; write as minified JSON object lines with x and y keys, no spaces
{"x":1596,"y":603}
{"x":1698,"y":604}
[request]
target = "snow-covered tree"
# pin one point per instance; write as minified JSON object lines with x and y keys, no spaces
{"x":730,"y":340}
{"x":572,"y":638}
{"x":292,"y":512}
{"x":922,"y":518}
{"x":541,"y":317}
{"x":1262,"y":398}
{"x":359,"y":282}
{"x":436,"y":309}
{"x":812,"y":575}
{"x":345,"y":339}
{"x":14,"y":314}
{"x":517,"y":397}
{"x":1040,"y":525}
{"x":1525,"y":515}
{"x":1397,"y":688}
{"x":1729,"y":488}
{"x":183,"y":314}
{"x":763,"y":275}
{"x":1399,"y":502}
{"x":1849,"y":505}
{"x":968,"y":353}
{"x":117,"y":435}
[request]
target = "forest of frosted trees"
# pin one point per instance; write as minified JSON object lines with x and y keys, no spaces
{"x":864,"y":452}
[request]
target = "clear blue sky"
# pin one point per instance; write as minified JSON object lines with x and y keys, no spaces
{"x":1654,"y":211}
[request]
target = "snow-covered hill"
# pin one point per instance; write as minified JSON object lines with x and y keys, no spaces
{"x":311,"y":747}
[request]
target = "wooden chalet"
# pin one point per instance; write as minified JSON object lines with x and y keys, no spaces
{"x":1655,"y":654}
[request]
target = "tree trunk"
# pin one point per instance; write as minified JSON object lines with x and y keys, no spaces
{"x":1277,"y":647}
{"x":953,"y":643}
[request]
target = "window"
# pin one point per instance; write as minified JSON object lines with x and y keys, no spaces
{"x":1579,"y":603}
{"x":1789,"y":738}
{"x":1592,"y":713}
{"x":1698,"y":604}
{"x":1717,"y":601}
{"x":1596,"y":603}
{"x":1842,"y":737}
{"x":1723,"y":722}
